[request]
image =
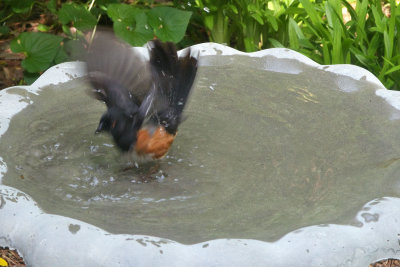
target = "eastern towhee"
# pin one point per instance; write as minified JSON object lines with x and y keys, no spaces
{"x":145,"y":98}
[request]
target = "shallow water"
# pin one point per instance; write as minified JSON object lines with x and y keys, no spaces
{"x":260,"y":154}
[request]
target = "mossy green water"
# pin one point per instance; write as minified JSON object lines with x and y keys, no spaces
{"x":260,"y":154}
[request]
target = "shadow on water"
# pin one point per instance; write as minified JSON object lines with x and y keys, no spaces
{"x":261,"y":153}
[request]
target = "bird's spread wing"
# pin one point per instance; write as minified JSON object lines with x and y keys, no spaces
{"x":117,"y":72}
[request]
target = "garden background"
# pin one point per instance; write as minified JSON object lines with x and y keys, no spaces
{"x":35,"y":35}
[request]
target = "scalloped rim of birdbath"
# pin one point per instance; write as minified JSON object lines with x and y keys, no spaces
{"x":52,"y":240}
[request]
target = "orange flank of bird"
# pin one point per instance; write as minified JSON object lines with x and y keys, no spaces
{"x":156,"y":145}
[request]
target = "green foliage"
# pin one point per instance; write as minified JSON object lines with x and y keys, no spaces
{"x":169,"y":24}
{"x":136,"y":24}
{"x":4,"y":30}
{"x":77,"y":15}
{"x":41,"y":50}
{"x":315,"y":28}
{"x":20,"y":6}
{"x":130,"y":24}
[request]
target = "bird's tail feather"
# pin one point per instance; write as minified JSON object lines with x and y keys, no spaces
{"x":174,"y":76}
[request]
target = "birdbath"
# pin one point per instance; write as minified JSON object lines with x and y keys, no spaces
{"x":280,"y":161}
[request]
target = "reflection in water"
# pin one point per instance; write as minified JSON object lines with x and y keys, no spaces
{"x":261,"y":154}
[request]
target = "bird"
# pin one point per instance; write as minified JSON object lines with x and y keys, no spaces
{"x":145,"y":98}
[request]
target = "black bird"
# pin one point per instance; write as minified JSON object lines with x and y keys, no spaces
{"x":145,"y":98}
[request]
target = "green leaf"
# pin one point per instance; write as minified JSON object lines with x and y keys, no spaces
{"x":378,"y":20}
{"x":275,"y":43}
{"x":360,"y":56}
{"x":337,"y":57}
{"x":43,"y":28}
{"x":374,"y":44}
{"x":293,"y":36}
{"x":314,"y":16}
{"x":388,"y":45}
{"x":40,"y":49}
{"x":209,"y":22}
{"x":61,"y":56}
{"x":66,"y":30}
{"x":326,"y":53}
{"x":52,"y":6}
{"x":249,"y":44}
{"x":361,"y":11}
{"x":74,"y":49}
{"x":329,"y":14}
{"x":396,"y":68}
{"x":106,"y":2}
{"x":130,"y":24}
{"x":20,"y":6}
{"x":4,"y":30}
{"x":233,"y":8}
{"x":81,"y":18}
{"x":30,"y":78}
{"x":258,"y":18}
{"x":169,"y":24}
{"x":274,"y":23}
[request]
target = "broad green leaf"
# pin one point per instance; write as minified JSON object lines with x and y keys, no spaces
{"x":81,"y":18}
{"x":20,"y":6}
{"x":169,"y":24}
{"x":30,"y":78}
{"x":130,"y":23}
{"x":61,"y":56}
{"x":40,"y":49}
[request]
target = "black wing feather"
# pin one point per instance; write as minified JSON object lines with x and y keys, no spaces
{"x":173,"y":78}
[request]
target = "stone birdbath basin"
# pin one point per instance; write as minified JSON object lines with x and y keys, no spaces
{"x":280,"y":162}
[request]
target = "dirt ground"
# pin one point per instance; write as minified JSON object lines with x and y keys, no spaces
{"x":11,"y":257}
{"x":11,"y":72}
